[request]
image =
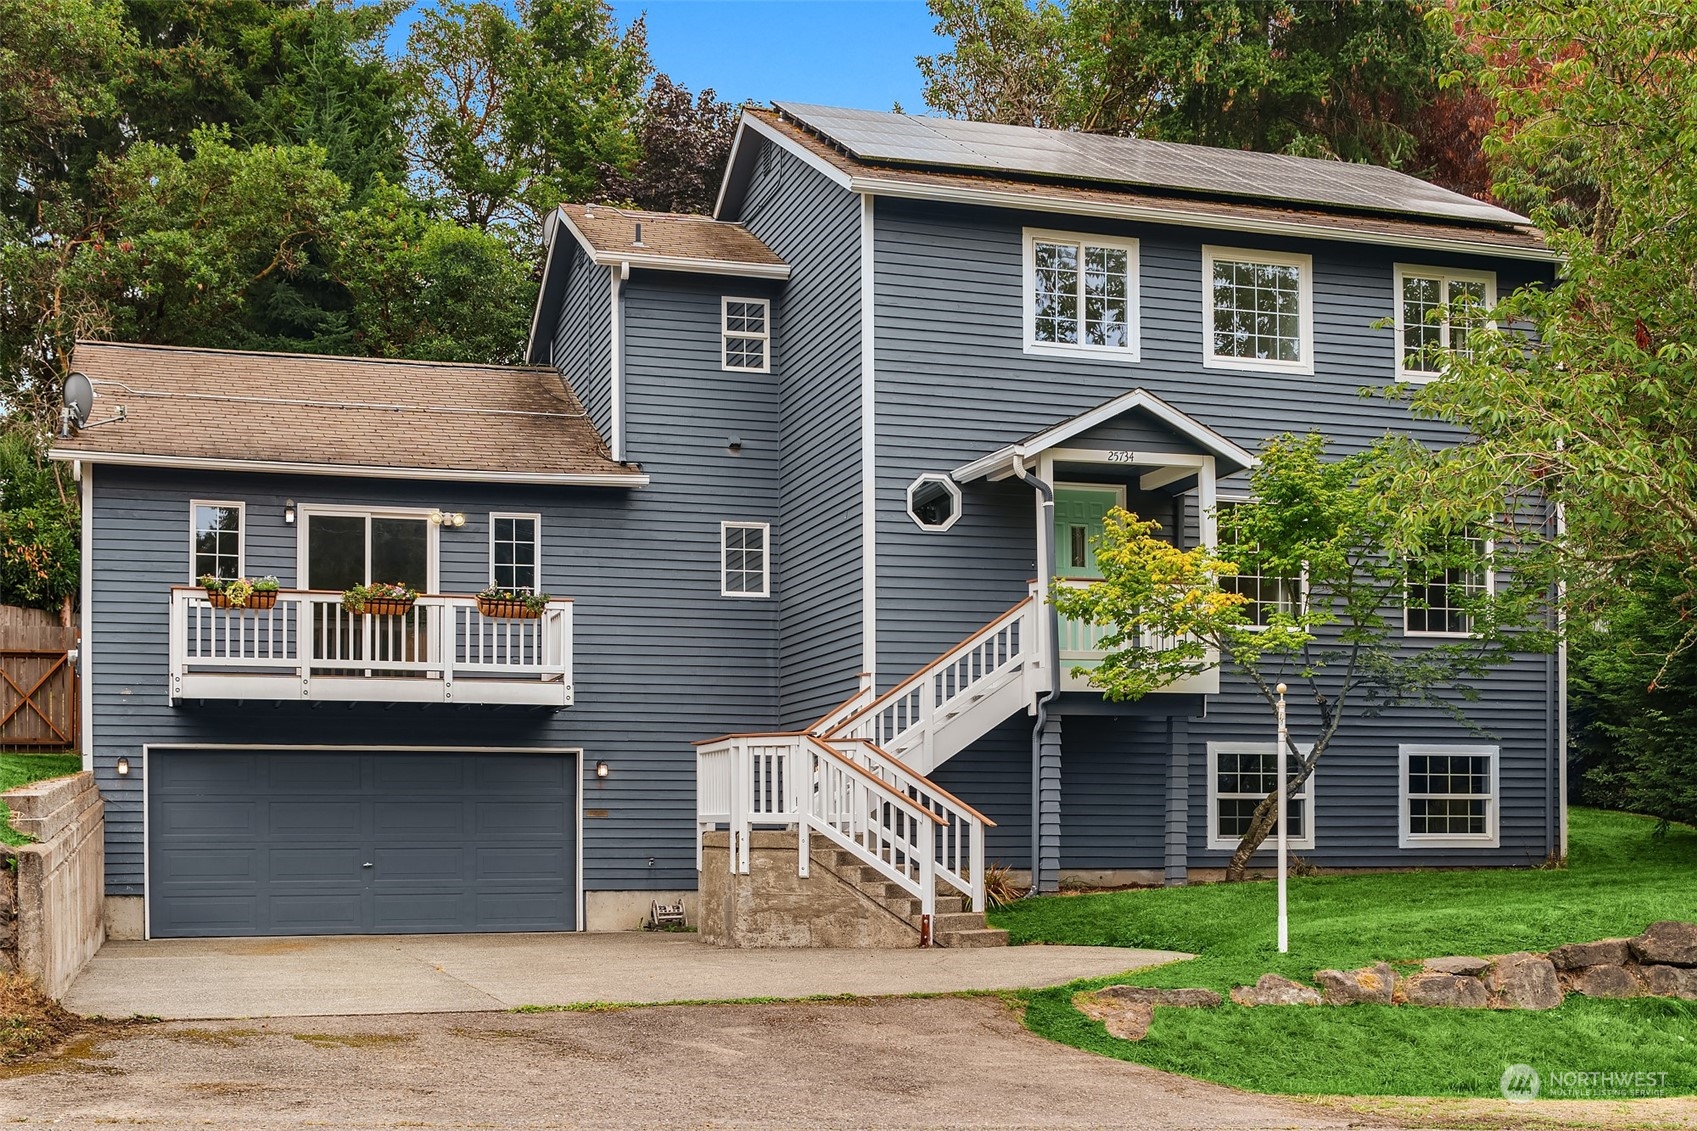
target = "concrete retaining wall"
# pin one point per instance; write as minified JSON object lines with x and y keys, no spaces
{"x":772,"y":906}
{"x":51,"y":891}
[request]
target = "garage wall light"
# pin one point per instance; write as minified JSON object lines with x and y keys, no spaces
{"x":123,"y":767}
{"x":601,"y":770}
{"x":289,"y":512}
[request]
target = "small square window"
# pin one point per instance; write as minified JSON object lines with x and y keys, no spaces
{"x":515,"y":552}
{"x":1268,"y":593}
{"x":1257,"y":310}
{"x":1440,"y":600}
{"x":745,"y":559}
{"x":216,"y":540}
{"x":1436,"y":314}
{"x":1240,"y":775}
{"x":1449,"y":796}
{"x":1081,"y":294}
{"x":747,"y":328}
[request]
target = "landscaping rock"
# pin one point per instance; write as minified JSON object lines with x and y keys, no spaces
{"x":1668,"y":943}
{"x":1146,"y":995}
{"x":1607,"y":981}
{"x":1271,"y":989}
{"x":1670,"y":981}
{"x":1454,"y":991}
{"x":1458,"y":964}
{"x":1370,"y":985}
{"x":1523,"y":981}
{"x":1603,"y":952}
{"x":1127,"y":1020}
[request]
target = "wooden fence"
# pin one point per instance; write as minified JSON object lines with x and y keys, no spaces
{"x":38,"y":681}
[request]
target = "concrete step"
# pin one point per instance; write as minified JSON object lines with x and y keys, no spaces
{"x":982,"y":937}
{"x":949,"y":904}
{"x":941,"y":923}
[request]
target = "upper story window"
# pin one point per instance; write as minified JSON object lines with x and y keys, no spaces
{"x":748,"y":334}
{"x":514,"y":552}
{"x":1081,"y":294}
{"x":1268,"y":593}
{"x":1437,"y":311}
{"x":1258,"y":310}
{"x":745,"y":559}
{"x":1441,"y":600}
{"x":216,"y":540}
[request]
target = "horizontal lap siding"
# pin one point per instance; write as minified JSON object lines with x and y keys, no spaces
{"x":582,"y":343}
{"x":1113,"y":792}
{"x":954,"y":384}
{"x":994,"y":777}
{"x":814,"y":225}
{"x":661,"y":659}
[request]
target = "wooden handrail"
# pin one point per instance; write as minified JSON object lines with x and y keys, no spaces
{"x":895,"y":794}
{"x":917,"y":776}
{"x":942,"y":659}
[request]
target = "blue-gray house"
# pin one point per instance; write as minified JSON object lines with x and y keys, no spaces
{"x":795,"y":476}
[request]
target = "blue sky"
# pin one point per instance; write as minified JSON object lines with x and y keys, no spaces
{"x":857,"y":53}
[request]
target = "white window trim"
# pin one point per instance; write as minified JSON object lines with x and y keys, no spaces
{"x":765,"y":559}
{"x":1132,"y":351}
{"x":1491,"y":838}
{"x":949,"y":485}
{"x":433,"y":535}
{"x":1223,"y":501}
{"x":1490,"y":590}
{"x":537,"y":519}
{"x":726,"y":334}
{"x":241,"y":534}
{"x":1305,"y":309}
{"x":1219,"y":843}
{"x":1405,"y":270}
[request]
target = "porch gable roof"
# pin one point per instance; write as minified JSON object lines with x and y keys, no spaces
{"x":999,"y":463}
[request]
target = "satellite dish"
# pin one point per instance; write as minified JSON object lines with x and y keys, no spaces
{"x":79,"y":398}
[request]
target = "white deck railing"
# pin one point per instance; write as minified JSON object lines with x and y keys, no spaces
{"x":1080,"y":646}
{"x":911,"y":831}
{"x":309,"y":647}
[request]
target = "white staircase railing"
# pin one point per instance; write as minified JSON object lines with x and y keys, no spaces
{"x":907,"y":828}
{"x":989,"y":675}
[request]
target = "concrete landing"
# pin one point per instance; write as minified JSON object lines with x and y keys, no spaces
{"x":351,"y":975}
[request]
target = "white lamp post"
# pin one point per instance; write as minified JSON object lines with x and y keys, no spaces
{"x":1282,"y":815}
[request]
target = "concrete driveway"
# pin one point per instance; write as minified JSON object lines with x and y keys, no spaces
{"x":360,"y":975}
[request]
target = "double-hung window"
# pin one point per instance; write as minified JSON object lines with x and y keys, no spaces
{"x":216,"y":540}
{"x":1449,"y":796}
{"x":745,"y":559}
{"x":1437,"y":311}
{"x":515,"y":544}
{"x":1441,"y":598}
{"x":1257,"y":310}
{"x":1081,"y":294}
{"x":747,"y":328}
{"x":1267,"y":592}
{"x":1240,"y":776}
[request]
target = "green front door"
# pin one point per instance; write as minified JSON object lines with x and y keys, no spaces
{"x":1079,"y":512}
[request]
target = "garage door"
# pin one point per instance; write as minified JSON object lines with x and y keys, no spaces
{"x":285,"y":842}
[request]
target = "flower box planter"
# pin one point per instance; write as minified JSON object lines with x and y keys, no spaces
{"x":258,"y":599}
{"x":387,"y":606}
{"x":510,"y":608}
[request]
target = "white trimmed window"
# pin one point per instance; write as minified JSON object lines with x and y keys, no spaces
{"x":747,"y":334}
{"x":1258,"y":310}
{"x":515,"y":552}
{"x":1081,"y":294}
{"x":1437,"y":311}
{"x":215,"y":539}
{"x":745,"y":559}
{"x":1439,"y":602}
{"x":1449,"y":796}
{"x":1268,"y":593}
{"x":1240,"y":776}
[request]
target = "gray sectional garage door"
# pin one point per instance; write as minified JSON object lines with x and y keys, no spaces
{"x":312,"y":842}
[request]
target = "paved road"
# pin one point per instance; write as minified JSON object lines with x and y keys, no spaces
{"x":303,"y":977}
{"x":889,"y":1063}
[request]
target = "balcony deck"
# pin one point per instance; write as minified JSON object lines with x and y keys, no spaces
{"x":310,"y":648}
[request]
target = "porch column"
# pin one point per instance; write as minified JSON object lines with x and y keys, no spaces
{"x":1046,"y":869}
{"x":1178,"y":802}
{"x":1206,"y":502}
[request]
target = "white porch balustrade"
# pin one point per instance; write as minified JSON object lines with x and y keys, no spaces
{"x":309,"y":647}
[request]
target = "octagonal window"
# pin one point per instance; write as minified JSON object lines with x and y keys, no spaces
{"x":933,"y":501}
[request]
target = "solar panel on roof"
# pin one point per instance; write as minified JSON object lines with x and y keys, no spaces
{"x":985,"y":146}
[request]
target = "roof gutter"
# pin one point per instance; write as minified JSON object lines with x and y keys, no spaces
{"x":354,"y":471}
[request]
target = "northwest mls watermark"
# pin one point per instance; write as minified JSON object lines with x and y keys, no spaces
{"x":1521,"y":1083}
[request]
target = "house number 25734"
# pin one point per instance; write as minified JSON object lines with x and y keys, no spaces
{"x":1122,"y":457}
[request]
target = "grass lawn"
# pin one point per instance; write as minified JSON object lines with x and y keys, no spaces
{"x":1620,"y":878}
{"x":21,"y":769}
